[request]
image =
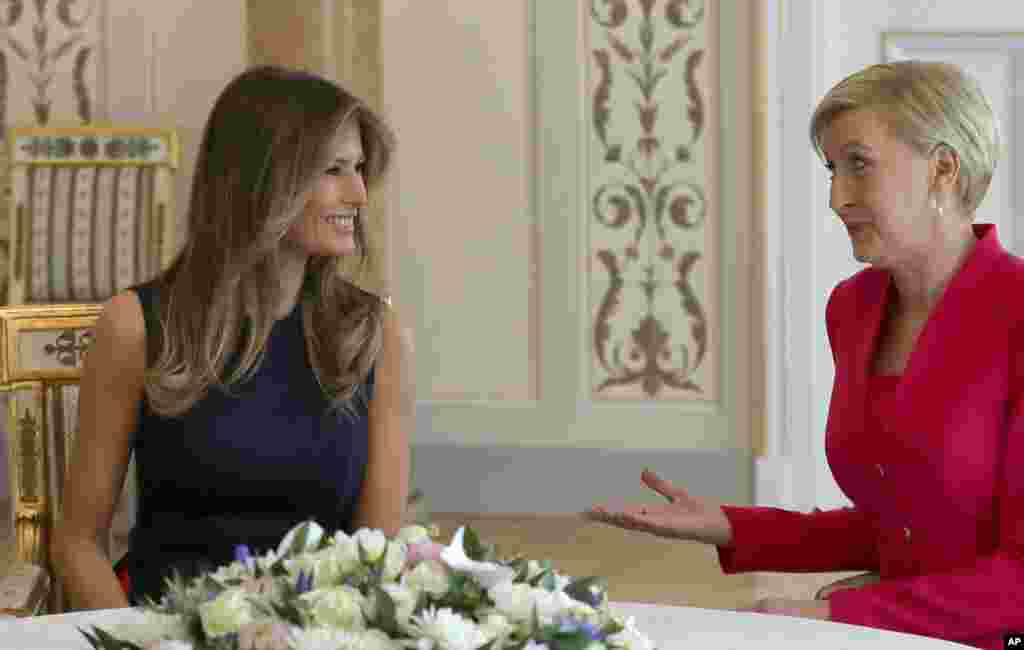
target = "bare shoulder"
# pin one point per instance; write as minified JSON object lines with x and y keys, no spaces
{"x":396,"y":333}
{"x":121,"y":331}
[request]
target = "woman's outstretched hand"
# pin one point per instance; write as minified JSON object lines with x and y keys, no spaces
{"x":683,"y":517}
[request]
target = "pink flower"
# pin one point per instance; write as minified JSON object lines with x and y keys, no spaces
{"x":421,"y":551}
{"x":264,"y":635}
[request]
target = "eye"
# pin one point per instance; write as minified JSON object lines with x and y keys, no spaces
{"x":334,"y":170}
{"x":858,"y":164}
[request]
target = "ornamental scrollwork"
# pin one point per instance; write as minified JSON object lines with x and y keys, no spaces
{"x":648,"y":203}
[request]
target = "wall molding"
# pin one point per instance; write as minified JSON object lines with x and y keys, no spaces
{"x":560,"y":480}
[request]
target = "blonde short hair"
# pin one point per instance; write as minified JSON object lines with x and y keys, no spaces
{"x":925,"y":104}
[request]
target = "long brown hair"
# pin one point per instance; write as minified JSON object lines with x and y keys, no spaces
{"x":265,"y":144}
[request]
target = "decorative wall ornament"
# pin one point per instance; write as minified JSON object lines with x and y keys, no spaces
{"x":647,"y":223}
{"x":47,"y":56}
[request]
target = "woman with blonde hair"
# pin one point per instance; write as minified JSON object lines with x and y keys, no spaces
{"x":254,"y":384}
{"x":926,"y":424}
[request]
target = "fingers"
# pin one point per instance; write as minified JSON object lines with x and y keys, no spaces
{"x":660,"y":485}
{"x":631,"y":518}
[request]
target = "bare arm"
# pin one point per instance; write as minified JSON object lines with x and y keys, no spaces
{"x":385,"y":488}
{"x":112,"y":385}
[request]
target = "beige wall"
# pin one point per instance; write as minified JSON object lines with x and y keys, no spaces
{"x":340,"y":40}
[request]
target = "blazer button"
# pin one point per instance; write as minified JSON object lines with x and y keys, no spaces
{"x":906,"y":534}
{"x":881,"y":470}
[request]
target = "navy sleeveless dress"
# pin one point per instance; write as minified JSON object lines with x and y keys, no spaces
{"x":241,"y":468}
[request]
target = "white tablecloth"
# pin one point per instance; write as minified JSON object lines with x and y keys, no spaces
{"x":673,"y":628}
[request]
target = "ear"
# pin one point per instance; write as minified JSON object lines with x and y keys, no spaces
{"x":945,"y":168}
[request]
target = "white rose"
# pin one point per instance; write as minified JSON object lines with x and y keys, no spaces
{"x":631,"y":638}
{"x":513,"y":600}
{"x":372,"y":543}
{"x":413,"y":535}
{"x":394,"y":560}
{"x":226,"y":613}
{"x":324,"y":565}
{"x":556,"y":604}
{"x":346,"y":552}
{"x":517,"y":601}
{"x":496,"y":625}
{"x":429,"y":576}
{"x":337,"y":607}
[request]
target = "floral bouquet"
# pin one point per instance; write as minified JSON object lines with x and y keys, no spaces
{"x":365,"y":591}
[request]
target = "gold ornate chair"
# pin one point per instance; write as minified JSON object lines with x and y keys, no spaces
{"x":91,"y":210}
{"x":41,"y":352}
{"x":90,"y":213}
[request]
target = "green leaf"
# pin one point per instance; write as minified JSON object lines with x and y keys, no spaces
{"x":105,"y":641}
{"x":521,"y":567}
{"x":474,"y":548}
{"x":612,"y":627}
{"x":387,"y":616}
{"x":591,"y":590}
{"x":536,"y":580}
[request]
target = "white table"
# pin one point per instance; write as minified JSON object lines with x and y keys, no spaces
{"x":673,"y":628}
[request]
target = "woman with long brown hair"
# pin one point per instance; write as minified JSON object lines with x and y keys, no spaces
{"x":256,"y":386}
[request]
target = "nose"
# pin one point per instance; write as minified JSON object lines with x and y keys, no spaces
{"x":353,"y":190}
{"x":840,"y":196}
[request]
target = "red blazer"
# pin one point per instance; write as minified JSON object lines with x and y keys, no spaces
{"x":938,"y":494}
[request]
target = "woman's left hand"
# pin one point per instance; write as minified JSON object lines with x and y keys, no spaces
{"x":817,"y":609}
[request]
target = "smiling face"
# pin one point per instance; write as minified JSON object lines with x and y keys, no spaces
{"x":327,"y":224}
{"x":880,"y":189}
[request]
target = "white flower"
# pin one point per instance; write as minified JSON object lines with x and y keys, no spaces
{"x":630,"y":638}
{"x":226,"y":613}
{"x":314,"y":533}
{"x":336,"y":606}
{"x":326,"y":638}
{"x":346,"y":551}
{"x":372,"y":543}
{"x":267,"y":560}
{"x":496,"y":625}
{"x":394,"y":560}
{"x":428,"y":576}
{"x":487,"y":574}
{"x":517,"y":601}
{"x":232,"y":571}
{"x":329,"y":566}
{"x":449,"y":630}
{"x":403,"y":598}
{"x":533,"y":645}
{"x":413,"y":535}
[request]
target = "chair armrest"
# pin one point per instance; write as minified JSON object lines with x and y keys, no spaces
{"x":24,"y":589}
{"x":846,"y":583}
